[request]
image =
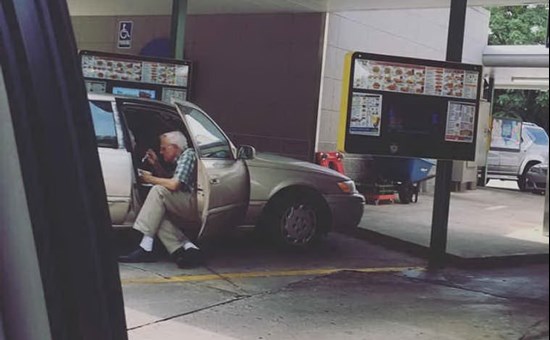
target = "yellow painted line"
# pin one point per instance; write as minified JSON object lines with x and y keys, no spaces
{"x":266,"y":274}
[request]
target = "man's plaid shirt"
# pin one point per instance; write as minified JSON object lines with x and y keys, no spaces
{"x":185,"y":169}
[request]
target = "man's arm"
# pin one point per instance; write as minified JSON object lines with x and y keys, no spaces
{"x":169,"y":183}
{"x":159,"y":171}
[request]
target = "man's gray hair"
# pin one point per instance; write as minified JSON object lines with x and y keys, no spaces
{"x":176,"y":138}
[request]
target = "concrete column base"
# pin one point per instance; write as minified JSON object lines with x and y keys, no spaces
{"x":463,"y":186}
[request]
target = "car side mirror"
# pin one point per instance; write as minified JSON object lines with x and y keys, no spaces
{"x":246,"y":152}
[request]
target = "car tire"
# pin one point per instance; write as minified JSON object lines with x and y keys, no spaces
{"x":405,"y":192}
{"x":295,"y":220}
{"x":522,"y":180}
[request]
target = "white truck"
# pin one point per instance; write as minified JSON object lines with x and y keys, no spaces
{"x":515,"y":148}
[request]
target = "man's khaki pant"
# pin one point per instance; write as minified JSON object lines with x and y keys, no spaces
{"x":162,"y":212}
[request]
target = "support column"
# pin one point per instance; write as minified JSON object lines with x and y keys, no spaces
{"x":442,"y":196}
{"x":177,"y":34}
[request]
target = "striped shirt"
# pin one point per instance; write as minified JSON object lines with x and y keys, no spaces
{"x":185,"y":166}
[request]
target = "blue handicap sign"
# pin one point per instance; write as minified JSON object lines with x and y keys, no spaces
{"x":125,"y":34}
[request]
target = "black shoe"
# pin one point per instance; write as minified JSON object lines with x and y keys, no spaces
{"x":189,"y":258}
{"x":137,"y":256}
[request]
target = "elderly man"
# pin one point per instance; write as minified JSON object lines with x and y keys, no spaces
{"x":169,"y":201}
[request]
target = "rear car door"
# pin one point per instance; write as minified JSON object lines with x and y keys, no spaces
{"x":223,"y":187}
{"x":116,"y":161}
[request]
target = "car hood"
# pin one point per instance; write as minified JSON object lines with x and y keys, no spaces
{"x":268,"y":160}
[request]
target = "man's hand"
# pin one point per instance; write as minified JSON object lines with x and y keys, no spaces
{"x":169,"y":183}
{"x":146,"y":177}
{"x":152,"y":157}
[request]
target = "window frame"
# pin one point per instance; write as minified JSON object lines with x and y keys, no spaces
{"x":116,"y":124}
{"x":187,"y":111}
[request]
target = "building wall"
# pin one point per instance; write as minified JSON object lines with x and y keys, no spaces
{"x":416,"y":33}
{"x":257,"y":75}
{"x":100,"y":33}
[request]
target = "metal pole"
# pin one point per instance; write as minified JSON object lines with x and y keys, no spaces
{"x":177,"y":37}
{"x":545,"y":223}
{"x":442,"y":196}
{"x":60,"y":189}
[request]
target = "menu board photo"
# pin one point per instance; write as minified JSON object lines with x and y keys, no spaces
{"x":111,"y":68}
{"x":407,"y":107}
{"x":415,"y":79}
{"x":366,"y":114}
{"x":506,"y":134}
{"x":460,"y":122}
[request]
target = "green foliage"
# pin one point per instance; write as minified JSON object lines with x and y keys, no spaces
{"x":518,"y":25}
{"x":528,"y":105}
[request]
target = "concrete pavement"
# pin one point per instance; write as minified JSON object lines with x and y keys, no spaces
{"x":484,"y":223}
{"x":356,"y":288}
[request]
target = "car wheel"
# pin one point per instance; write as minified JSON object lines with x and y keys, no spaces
{"x":522,"y":180}
{"x":405,"y":192}
{"x":295,"y":221}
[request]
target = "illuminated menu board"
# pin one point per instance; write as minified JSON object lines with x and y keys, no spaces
{"x":156,"y":78}
{"x":409,"y":107}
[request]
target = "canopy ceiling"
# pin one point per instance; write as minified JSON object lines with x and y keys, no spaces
{"x":163,"y":7}
{"x":505,"y":77}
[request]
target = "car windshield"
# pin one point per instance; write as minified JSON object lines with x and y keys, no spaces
{"x":538,"y":136}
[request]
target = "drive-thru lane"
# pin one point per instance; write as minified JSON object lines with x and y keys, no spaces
{"x":345,"y":288}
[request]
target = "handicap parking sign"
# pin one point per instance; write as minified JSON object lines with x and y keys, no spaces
{"x":125,"y":34}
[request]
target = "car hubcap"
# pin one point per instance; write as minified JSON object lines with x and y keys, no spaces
{"x":299,"y":223}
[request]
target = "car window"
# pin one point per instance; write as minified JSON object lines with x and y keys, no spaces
{"x":210,"y":139}
{"x":538,"y":136}
{"x":104,"y":124}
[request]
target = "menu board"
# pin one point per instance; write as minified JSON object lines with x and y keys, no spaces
{"x":398,"y":106}
{"x":126,"y":70}
{"x":415,"y":79}
{"x":163,"y":79}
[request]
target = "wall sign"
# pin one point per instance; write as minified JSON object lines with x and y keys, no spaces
{"x":409,"y":107}
{"x":125,"y":34}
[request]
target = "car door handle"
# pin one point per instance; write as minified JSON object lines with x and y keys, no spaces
{"x":214,"y":180}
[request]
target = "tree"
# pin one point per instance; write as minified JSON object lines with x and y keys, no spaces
{"x":520,"y":25}
{"x":527,"y":105}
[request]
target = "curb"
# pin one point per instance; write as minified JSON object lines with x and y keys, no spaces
{"x":451,"y":259}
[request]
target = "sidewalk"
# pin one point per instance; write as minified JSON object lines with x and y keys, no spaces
{"x":483,"y":223}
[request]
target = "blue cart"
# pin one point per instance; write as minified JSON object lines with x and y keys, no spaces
{"x":405,"y":174}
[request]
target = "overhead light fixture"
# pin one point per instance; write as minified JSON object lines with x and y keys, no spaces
{"x":530,"y":79}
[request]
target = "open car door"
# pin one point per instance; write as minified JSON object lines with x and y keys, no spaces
{"x":223,"y":182}
{"x":143,"y":122}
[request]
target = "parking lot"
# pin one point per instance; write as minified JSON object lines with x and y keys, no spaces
{"x":344,"y":288}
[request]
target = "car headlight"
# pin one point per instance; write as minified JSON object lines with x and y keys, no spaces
{"x":347,"y":186}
